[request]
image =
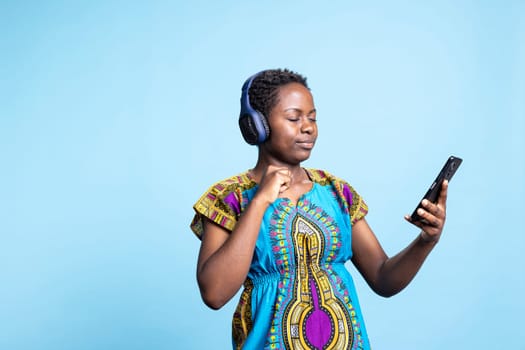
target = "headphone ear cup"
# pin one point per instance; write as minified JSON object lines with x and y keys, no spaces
{"x":265,"y":131}
{"x":248,"y":130}
{"x":254,"y":127}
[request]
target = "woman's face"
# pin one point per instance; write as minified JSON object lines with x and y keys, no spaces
{"x":293,"y":125}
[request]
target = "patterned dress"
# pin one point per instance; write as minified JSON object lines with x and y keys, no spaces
{"x":298,"y":293}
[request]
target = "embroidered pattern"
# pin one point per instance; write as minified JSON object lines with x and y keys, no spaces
{"x":315,"y":318}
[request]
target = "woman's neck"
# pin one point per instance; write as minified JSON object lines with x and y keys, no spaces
{"x":298,"y":173}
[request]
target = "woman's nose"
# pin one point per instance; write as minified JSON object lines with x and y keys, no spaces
{"x":307,"y":125}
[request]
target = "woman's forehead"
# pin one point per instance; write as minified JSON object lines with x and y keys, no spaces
{"x":294,"y":92}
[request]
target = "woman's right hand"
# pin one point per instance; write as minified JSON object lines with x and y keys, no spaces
{"x":274,"y":181}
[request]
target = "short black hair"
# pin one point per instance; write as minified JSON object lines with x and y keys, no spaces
{"x":264,"y":91}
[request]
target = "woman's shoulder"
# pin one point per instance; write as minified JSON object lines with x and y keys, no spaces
{"x":348,"y":196}
{"x":231,"y":183}
{"x":221,"y":202}
{"x":226,"y":193}
{"x":324,"y":177}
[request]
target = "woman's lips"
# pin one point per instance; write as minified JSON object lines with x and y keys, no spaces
{"x":307,"y":144}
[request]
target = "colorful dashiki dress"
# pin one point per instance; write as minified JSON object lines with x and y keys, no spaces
{"x":298,"y":294}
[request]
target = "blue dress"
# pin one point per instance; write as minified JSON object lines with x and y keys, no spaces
{"x":298,"y":293}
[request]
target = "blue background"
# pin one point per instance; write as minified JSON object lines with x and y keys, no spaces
{"x":115,"y":116}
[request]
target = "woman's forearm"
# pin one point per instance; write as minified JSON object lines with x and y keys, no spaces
{"x":397,"y":272}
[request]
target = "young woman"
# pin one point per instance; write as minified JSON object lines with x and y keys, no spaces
{"x":285,"y":232}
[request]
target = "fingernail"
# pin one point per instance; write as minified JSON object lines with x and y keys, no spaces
{"x":420,"y":211}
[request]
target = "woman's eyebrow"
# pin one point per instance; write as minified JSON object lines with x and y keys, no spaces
{"x":294,"y":109}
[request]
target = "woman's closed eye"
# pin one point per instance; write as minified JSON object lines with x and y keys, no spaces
{"x":311,"y":118}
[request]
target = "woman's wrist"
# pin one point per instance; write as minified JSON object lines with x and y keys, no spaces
{"x":426,"y":238}
{"x":259,"y":202}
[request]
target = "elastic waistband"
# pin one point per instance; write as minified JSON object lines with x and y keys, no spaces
{"x":277,"y":276}
{"x":263,"y":279}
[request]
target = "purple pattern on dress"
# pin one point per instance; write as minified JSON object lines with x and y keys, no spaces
{"x":233,"y":203}
{"x":348,"y":194}
{"x":318,"y":327}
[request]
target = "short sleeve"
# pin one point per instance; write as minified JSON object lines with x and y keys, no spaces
{"x":221,"y":204}
{"x":357,"y":206}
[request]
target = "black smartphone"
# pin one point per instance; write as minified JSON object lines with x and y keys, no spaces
{"x":449,"y":169}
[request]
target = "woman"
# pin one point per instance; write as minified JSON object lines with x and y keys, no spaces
{"x":285,"y":232}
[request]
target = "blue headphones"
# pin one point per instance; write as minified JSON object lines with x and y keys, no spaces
{"x":254,"y":125}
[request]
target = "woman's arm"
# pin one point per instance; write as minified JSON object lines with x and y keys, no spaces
{"x":388,"y":276}
{"x":225,"y":257}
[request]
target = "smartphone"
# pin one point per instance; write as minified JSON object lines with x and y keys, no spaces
{"x":449,"y":169}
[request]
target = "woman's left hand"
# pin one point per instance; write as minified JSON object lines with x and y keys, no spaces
{"x":434,"y":216}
